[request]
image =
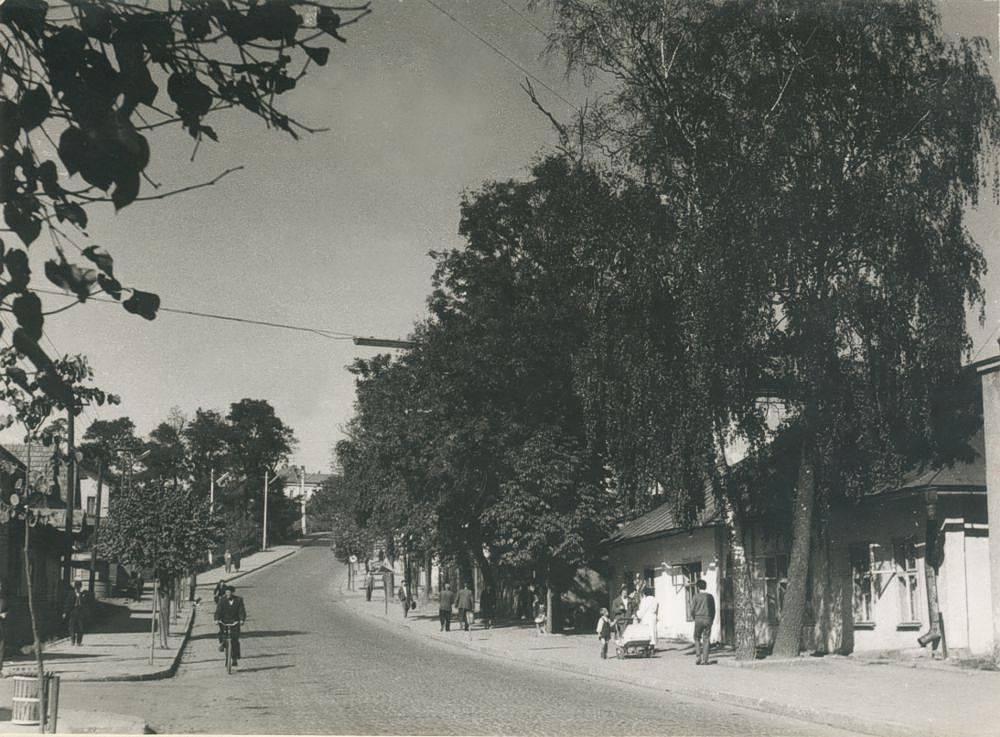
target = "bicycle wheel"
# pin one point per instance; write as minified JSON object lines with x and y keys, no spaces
{"x":229,"y":656}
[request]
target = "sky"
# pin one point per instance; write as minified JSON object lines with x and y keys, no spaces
{"x":333,"y":231}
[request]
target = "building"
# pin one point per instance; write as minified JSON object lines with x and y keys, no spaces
{"x":300,"y":485}
{"x":869,"y":579}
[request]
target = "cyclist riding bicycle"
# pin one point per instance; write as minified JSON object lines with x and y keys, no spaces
{"x":231,"y":612}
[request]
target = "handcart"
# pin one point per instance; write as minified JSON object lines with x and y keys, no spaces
{"x":636,"y":641}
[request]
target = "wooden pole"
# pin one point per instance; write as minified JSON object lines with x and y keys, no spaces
{"x":266,"y":480}
{"x":70,"y":492}
{"x":54,"y":720}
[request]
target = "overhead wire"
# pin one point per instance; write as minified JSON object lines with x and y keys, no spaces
{"x":499,"y":52}
{"x":328,"y":334}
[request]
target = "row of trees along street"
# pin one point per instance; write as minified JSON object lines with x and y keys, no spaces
{"x":768,"y":211}
{"x":85,"y":86}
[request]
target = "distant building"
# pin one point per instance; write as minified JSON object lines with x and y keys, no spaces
{"x":300,"y":485}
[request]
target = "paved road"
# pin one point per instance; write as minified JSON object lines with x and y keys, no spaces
{"x":310,"y":666}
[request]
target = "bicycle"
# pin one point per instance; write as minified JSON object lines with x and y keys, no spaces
{"x":227,"y":643}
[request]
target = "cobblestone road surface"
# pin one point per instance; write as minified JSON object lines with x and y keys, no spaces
{"x":309,"y":666}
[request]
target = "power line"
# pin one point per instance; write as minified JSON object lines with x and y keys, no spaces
{"x":499,"y":52}
{"x":329,"y":334}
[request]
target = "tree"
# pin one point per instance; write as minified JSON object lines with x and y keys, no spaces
{"x":111,"y":443}
{"x":817,"y":160}
{"x":167,"y":456}
{"x":93,"y":74}
{"x":166,"y":529}
{"x":258,"y":440}
{"x":207,"y":439}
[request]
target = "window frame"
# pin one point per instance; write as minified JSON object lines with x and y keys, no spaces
{"x":910,"y":579}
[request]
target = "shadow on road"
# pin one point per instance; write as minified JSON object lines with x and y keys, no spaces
{"x":266,"y":667}
{"x":252,"y":633}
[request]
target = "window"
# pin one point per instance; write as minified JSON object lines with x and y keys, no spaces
{"x":690,"y":572}
{"x":649,"y":579}
{"x":770,"y":581}
{"x":865,"y":581}
{"x":91,"y":505}
{"x":904,"y":557}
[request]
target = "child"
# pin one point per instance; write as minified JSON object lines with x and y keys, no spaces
{"x":604,"y":625}
{"x":540,"y":620}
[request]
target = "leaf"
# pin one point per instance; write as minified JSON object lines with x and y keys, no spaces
{"x":48,"y":175}
{"x":70,"y":277}
{"x":34,"y":108}
{"x":21,"y":219}
{"x":101,"y":258}
{"x":328,"y":21}
{"x":126,"y":190}
{"x":10,"y":123}
{"x":110,"y":285}
{"x":97,"y":21}
{"x":16,"y":262}
{"x":73,"y":149}
{"x":190,"y":94}
{"x":28,"y":311}
{"x":144,"y":304}
{"x":72,"y":212}
{"x":20,"y":377}
{"x":319,"y":55}
{"x":196,"y":23}
{"x":28,"y":15}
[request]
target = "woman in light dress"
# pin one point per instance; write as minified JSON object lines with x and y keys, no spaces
{"x":647,"y":614}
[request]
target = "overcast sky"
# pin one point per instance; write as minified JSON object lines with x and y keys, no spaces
{"x":333,"y":231}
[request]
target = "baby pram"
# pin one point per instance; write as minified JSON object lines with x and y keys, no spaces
{"x":635,"y":641}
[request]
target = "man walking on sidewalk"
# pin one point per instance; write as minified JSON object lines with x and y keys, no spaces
{"x":446,"y":601}
{"x":703,"y":614}
{"x":466,"y":604}
{"x":73,"y":612}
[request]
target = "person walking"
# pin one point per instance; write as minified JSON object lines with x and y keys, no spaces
{"x":227,"y":557}
{"x":619,"y":611}
{"x":604,"y":632}
{"x":466,"y":605}
{"x":445,"y":602}
{"x":369,"y":584}
{"x":702,"y":611}
{"x":74,"y":611}
{"x":237,"y":557}
{"x":138,"y":584}
{"x":404,"y":600}
{"x":220,"y":590}
{"x":646,"y":613}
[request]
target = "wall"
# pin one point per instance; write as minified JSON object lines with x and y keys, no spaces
{"x":664,"y":555}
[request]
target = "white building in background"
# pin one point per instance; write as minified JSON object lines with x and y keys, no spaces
{"x":300,"y":485}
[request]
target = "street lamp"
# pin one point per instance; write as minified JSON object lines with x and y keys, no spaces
{"x":267,"y":481}
{"x":302,"y":495}
{"x":211,"y":496}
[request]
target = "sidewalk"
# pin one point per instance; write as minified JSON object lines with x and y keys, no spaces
{"x":251,"y":563}
{"x":883,"y":699}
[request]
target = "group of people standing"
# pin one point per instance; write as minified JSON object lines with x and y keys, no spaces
{"x":640,"y":606}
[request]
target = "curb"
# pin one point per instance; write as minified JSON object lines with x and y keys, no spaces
{"x":158,"y":675}
{"x":880,"y":728}
{"x":254,"y":570}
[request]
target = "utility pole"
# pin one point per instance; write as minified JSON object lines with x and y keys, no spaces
{"x":302,"y":495}
{"x":211,"y":502}
{"x":70,"y":490}
{"x":97,"y":524}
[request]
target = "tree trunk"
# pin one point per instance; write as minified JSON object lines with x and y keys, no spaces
{"x":787,"y":642}
{"x":743,"y":609}
{"x":427,"y":575}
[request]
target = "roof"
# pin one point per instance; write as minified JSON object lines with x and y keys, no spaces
{"x":662,"y":521}
{"x":43,"y":473}
{"x":967,"y":475}
{"x":291,"y":475}
{"x":962,"y":475}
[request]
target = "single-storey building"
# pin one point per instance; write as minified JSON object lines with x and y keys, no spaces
{"x":868,"y":588}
